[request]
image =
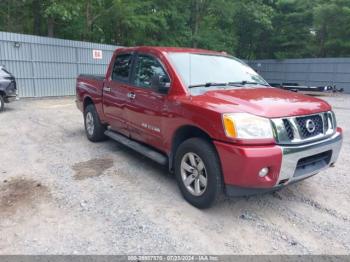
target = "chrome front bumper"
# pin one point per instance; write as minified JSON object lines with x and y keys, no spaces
{"x":291,"y":155}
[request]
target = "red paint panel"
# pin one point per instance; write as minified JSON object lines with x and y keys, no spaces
{"x":241,"y":164}
{"x":266,"y":102}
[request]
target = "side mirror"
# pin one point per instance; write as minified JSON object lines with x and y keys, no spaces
{"x":160,"y":84}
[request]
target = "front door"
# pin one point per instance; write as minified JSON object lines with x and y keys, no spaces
{"x":115,"y":92}
{"x":146,"y":107}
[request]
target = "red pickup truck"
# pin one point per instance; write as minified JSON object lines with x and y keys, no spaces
{"x":213,"y":120}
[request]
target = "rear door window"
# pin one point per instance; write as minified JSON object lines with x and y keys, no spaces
{"x":122,"y":67}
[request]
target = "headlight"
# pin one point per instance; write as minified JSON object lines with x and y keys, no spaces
{"x":247,"y":126}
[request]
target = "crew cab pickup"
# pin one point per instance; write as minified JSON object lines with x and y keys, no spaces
{"x":211,"y":119}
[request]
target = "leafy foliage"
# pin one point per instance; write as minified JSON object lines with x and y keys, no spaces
{"x":249,"y":29}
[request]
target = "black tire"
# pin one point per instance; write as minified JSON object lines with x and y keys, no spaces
{"x":214,"y":185}
{"x":2,"y":103}
{"x":97,"y":133}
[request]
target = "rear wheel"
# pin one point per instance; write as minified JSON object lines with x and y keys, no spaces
{"x":198,"y":172}
{"x":2,"y":103}
{"x":93,"y":127}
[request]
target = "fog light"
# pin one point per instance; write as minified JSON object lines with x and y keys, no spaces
{"x":263,"y":172}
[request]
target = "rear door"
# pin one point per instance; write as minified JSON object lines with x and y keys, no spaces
{"x":115,"y":91}
{"x":146,"y":107}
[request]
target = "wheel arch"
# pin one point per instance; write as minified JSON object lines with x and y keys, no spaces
{"x":181,"y":134}
{"x":87,"y":101}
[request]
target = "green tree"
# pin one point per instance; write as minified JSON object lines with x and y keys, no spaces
{"x":332,"y":28}
{"x":56,"y":13}
{"x":249,"y":29}
{"x":252,"y":23}
{"x":292,"y":29}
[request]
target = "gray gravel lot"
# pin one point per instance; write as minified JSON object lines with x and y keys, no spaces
{"x":61,"y":194}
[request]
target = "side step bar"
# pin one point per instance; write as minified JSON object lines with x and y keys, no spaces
{"x":138,"y":147}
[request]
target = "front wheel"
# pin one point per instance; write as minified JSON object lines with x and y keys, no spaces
{"x":2,"y":103}
{"x":198,"y":172}
{"x":93,"y":127}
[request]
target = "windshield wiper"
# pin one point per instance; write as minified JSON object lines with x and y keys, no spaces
{"x":209,"y":84}
{"x":247,"y":83}
{"x":240,"y":83}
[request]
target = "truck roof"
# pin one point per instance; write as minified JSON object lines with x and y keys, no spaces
{"x":168,"y":49}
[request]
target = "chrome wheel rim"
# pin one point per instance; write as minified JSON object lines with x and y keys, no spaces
{"x":193,"y":173}
{"x":89,"y":123}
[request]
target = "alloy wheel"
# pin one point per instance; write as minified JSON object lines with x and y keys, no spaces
{"x":193,"y":173}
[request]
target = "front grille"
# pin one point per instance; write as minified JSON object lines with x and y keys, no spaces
{"x":303,"y":125}
{"x":311,"y":160}
{"x":325,"y":117}
{"x":300,"y":129}
{"x":288,"y":128}
{"x":313,"y":163}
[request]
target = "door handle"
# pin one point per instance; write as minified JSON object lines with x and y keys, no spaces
{"x":131,"y":95}
{"x":106,"y":89}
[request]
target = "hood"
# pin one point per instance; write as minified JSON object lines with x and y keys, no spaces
{"x":266,"y":102}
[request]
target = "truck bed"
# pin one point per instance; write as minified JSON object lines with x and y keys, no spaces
{"x":92,"y":77}
{"x":92,"y":85}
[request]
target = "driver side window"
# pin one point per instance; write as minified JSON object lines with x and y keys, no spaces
{"x":145,"y":69}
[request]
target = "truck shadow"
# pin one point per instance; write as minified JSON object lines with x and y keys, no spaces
{"x":133,"y":156}
{"x":141,"y":168}
{"x":7,"y":109}
{"x":139,"y":164}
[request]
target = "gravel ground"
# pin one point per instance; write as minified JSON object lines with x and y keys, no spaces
{"x":61,"y":194}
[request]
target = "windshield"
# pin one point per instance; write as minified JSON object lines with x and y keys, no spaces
{"x":205,"y":70}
